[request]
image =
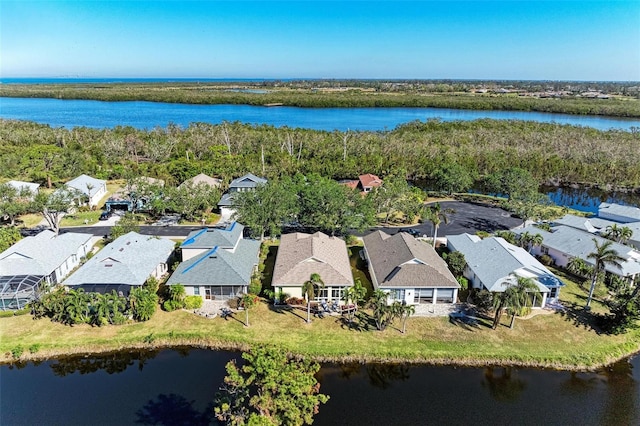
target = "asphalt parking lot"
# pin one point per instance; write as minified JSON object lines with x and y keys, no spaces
{"x":469,"y":218}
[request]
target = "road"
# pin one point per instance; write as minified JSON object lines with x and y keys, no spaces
{"x":468,"y":217}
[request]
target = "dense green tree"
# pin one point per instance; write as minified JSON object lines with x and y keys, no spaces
{"x":14,"y":202}
{"x":456,"y":262}
{"x":453,"y":177}
{"x":127,"y":223}
{"x":8,"y":237}
{"x":269,"y":389}
{"x":267,"y":208}
{"x":508,"y":236}
{"x":602,"y":256}
{"x":55,"y":205}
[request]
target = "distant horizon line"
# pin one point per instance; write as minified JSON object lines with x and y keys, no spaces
{"x":288,"y":79}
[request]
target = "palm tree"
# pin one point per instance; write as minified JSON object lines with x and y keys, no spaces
{"x":309,"y":291}
{"x":602,"y":256}
{"x":514,"y":298}
{"x":524,"y":239}
{"x":436,"y":215}
{"x":625,"y":234}
{"x":405,"y":311}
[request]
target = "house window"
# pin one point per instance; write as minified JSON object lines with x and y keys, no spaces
{"x":545,"y":250}
{"x":336,"y":293}
{"x":397,"y":294}
{"x":196,"y":291}
{"x":323,"y":293}
{"x":423,"y":295}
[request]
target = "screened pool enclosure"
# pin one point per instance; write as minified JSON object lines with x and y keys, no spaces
{"x":18,"y":290}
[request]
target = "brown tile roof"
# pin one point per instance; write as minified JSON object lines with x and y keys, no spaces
{"x":353,"y":184}
{"x":301,"y":255}
{"x":369,"y":181}
{"x":403,"y":261}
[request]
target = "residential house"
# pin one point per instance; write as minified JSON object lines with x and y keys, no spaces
{"x":365,"y":183}
{"x":20,"y":186}
{"x":202,"y":179}
{"x":248,"y":182}
{"x":43,"y":259}
{"x":564,"y":243}
{"x":597,"y":225}
{"x":491,"y":262}
{"x":94,"y":189}
{"x":124,"y":264}
{"x":408,"y":269}
{"x":301,"y":255}
{"x":619,"y":213}
{"x":217,"y":263}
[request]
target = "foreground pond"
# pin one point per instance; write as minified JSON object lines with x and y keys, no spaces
{"x":177,"y":387}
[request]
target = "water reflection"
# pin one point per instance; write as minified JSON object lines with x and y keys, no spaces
{"x":111,"y":363}
{"x":588,"y":199}
{"x":173,"y":410}
{"x":171,"y":387}
{"x":503,"y":383}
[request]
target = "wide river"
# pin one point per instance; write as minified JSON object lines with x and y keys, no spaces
{"x":176,"y":388}
{"x":147,"y":115}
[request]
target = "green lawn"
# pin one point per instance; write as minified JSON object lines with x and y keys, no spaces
{"x":558,"y":340}
{"x":81,"y":218}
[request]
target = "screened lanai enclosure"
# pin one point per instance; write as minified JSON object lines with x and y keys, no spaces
{"x":18,"y":290}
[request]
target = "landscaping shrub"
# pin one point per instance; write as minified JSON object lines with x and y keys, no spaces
{"x":295,"y":301}
{"x":546,"y":260}
{"x":17,"y":352}
{"x":233,"y":303}
{"x":22,"y":311}
{"x":255,"y":287}
{"x":464,"y":283}
{"x":172,"y":305}
{"x":6,"y":314}
{"x":483,"y":300}
{"x":35,"y":348}
{"x":193,"y":302}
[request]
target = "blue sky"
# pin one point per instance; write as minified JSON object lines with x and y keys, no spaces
{"x":550,"y":40}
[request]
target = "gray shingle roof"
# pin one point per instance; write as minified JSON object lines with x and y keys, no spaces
{"x":129,"y":260}
{"x":629,"y":213}
{"x":219,"y":266}
{"x":226,"y":200}
{"x":301,"y":255}
{"x":80,"y":183}
{"x":576,"y":243}
{"x":493,"y":260}
{"x":403,"y":261}
{"x":19,"y":185}
{"x":40,"y":254}
{"x":209,"y":238}
{"x":247,"y":181}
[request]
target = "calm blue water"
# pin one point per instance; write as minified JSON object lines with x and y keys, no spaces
{"x":147,"y":115}
{"x":177,"y":388}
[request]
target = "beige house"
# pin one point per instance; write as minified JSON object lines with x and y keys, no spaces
{"x":202,"y":179}
{"x":301,"y":255}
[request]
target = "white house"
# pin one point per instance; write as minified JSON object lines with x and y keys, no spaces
{"x":493,"y":261}
{"x":93,"y":188}
{"x":20,"y":186}
{"x":564,"y":243}
{"x":248,"y":182}
{"x":45,"y":259}
{"x":124,"y":264}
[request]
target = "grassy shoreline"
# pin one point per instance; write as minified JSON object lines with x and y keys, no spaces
{"x":195,"y":93}
{"x":568,"y":345}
